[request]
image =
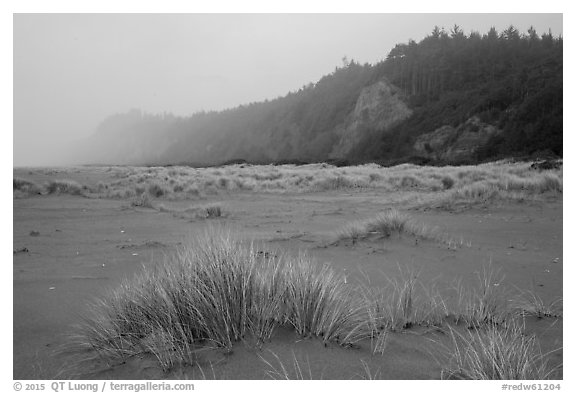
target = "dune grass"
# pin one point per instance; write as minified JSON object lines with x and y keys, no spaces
{"x":528,"y":302}
{"x":497,"y":353}
{"x":143,"y":200}
{"x":65,"y":187}
{"x":321,"y":304}
{"x":218,"y":291}
{"x":214,"y":293}
{"x":213,"y":210}
{"x":403,"y":303}
{"x":446,"y":187}
{"x":26,"y":187}
{"x":156,"y":190}
{"x":298,"y":370}
{"x":494,"y":344}
{"x":388,"y":223}
{"x":207,"y":211}
{"x":485,"y":303}
{"x":339,"y":182}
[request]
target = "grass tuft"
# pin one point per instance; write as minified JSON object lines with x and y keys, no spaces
{"x":388,"y":223}
{"x":143,"y":200}
{"x":65,"y":187}
{"x":497,"y":353}
{"x":213,"y":211}
{"x":405,"y":302}
{"x":447,"y":182}
{"x":26,"y":186}
{"x":485,"y":304}
{"x":530,"y":303}
{"x":320,"y":303}
{"x":213,"y":293}
{"x":156,"y":190}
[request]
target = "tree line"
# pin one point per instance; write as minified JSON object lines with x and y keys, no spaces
{"x":510,"y":79}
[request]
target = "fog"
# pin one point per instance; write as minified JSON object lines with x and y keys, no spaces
{"x":72,"y":71}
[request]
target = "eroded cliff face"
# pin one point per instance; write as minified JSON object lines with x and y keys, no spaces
{"x":455,"y":144}
{"x":378,"y":107}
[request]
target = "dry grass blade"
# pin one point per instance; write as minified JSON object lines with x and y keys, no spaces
{"x":280,"y":371}
{"x":368,"y":373}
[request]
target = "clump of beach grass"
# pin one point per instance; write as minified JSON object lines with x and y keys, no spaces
{"x":143,"y":200}
{"x":320,"y":303}
{"x":447,"y":182}
{"x":213,"y":293}
{"x":27,"y":187}
{"x":157,"y":190}
{"x":497,"y":353}
{"x":528,"y":302}
{"x":402,"y":310}
{"x":411,"y":302}
{"x":213,"y":211}
{"x":387,"y":223}
{"x":485,"y":304}
{"x":65,"y":187}
{"x":403,"y":303}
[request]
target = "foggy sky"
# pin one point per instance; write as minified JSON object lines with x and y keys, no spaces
{"x":73,"y":70}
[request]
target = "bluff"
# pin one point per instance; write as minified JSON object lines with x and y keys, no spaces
{"x":455,"y":144}
{"x":379,"y":106}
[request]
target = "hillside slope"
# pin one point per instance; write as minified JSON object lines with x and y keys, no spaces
{"x":451,"y":98}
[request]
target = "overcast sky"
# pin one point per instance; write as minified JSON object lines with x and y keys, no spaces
{"x":71,"y":71}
